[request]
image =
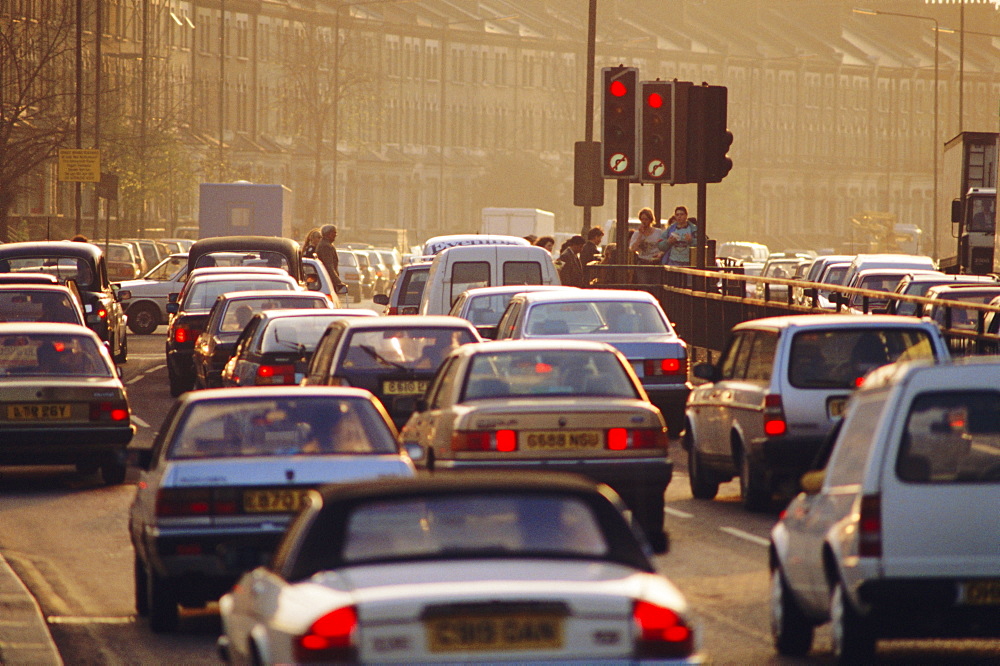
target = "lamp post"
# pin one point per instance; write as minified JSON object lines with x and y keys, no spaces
{"x":441,"y":113}
{"x":937,"y":51}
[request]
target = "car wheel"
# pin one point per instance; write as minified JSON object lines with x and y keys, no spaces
{"x":122,"y":356}
{"x":853,"y":642}
{"x":143,"y":319}
{"x":704,"y":485}
{"x":161,"y":597}
{"x":753,"y":487}
{"x":141,"y":591}
{"x":113,"y":469}
{"x":790,"y":628}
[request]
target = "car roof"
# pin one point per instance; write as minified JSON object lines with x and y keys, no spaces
{"x":229,"y":270}
{"x":32,"y":327}
{"x":516,"y":289}
{"x":928,"y":276}
{"x":588,"y":295}
{"x":257,"y":392}
{"x":52,"y":248}
{"x":409,"y":321}
{"x":312,"y":312}
{"x":221,"y":277}
{"x":960,"y":289}
{"x":35,"y":286}
{"x":277,"y":293}
{"x":979,"y":371}
{"x":831,"y":320}
{"x":533,"y":344}
{"x":15,"y":279}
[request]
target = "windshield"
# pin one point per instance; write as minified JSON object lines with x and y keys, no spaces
{"x":983,"y":218}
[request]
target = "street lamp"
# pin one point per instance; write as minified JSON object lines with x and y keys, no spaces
{"x":937,"y":29}
{"x":441,"y":113}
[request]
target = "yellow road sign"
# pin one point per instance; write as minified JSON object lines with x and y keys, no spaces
{"x":78,"y":165}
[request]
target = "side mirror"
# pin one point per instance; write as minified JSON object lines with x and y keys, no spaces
{"x":380,"y":299}
{"x":812,"y":482}
{"x":173,"y":296}
{"x":956,"y":211}
{"x":414,"y":450}
{"x":172,"y":308}
{"x":706,"y":371}
{"x":123,"y":295}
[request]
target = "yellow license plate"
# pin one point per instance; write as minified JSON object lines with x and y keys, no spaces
{"x":500,"y":633}
{"x":559,"y":439}
{"x":38,"y":412}
{"x":982,"y":592}
{"x":836,"y":407}
{"x":283,"y":500}
{"x":404,"y":387}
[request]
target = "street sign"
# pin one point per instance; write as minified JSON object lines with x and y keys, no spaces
{"x":78,"y":165}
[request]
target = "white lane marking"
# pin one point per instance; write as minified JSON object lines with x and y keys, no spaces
{"x":156,"y":367}
{"x":139,"y":422}
{"x":71,"y":619}
{"x":740,"y":534}
{"x":677,"y":513}
{"x":135,"y":379}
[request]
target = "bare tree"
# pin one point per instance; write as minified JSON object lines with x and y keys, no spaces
{"x":36,"y":94}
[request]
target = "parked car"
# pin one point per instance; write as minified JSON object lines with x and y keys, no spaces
{"x":229,"y":315}
{"x":404,"y":297}
{"x":779,"y":388}
{"x":86,"y":266}
{"x":41,"y":303}
{"x":535,"y":568}
{"x":276,"y":346}
{"x":228,"y":471}
{"x":484,"y":306}
{"x":896,"y":536}
{"x":393,"y":357}
{"x":189,"y":314}
{"x":631,"y":321}
{"x":547,"y":405}
{"x":62,"y":400}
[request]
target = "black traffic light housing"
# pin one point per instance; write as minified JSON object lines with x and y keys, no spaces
{"x":708,"y":138}
{"x":656,"y":151}
{"x":619,"y":135}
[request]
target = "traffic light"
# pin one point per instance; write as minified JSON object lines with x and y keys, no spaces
{"x":619,"y":138}
{"x":709,"y":140}
{"x":656,"y":160}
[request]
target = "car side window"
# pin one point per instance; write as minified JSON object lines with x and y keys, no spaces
{"x":850,"y":451}
{"x":729,"y":366}
{"x":444,"y":384}
{"x":761,"y":357}
{"x":319,"y":366}
{"x":505,"y":328}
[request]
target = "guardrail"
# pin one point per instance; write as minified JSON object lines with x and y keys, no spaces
{"x":705,"y":305}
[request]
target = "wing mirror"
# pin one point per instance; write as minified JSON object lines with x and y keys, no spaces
{"x":380,"y":299}
{"x":706,"y":371}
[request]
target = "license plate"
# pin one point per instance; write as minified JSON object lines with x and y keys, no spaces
{"x":560,"y":439}
{"x":404,"y":386}
{"x":836,"y":407}
{"x":494,"y":633}
{"x":38,"y":412}
{"x":282,"y":500}
{"x":982,"y":592}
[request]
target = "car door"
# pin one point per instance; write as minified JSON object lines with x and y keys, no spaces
{"x":423,"y":427}
{"x":715,"y":402}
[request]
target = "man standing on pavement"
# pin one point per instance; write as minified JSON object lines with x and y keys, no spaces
{"x":327,"y":254}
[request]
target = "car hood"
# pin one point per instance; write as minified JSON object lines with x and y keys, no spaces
{"x":284,"y":470}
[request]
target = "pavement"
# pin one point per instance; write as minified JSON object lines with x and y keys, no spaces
{"x":24,"y":633}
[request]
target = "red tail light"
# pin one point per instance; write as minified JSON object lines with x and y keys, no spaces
{"x":662,"y":632}
{"x":186,"y":334}
{"x":102,"y":313}
{"x":275,"y":374}
{"x":109,"y":410}
{"x":664,"y":367}
{"x":393,"y":310}
{"x":330,"y":638}
{"x":484,"y":440}
{"x":870,"y":526}
{"x":194,"y":502}
{"x":774,"y":416}
{"x":621,"y":439}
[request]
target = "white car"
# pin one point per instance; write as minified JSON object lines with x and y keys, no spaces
{"x":469,"y":568}
{"x":226,"y":475}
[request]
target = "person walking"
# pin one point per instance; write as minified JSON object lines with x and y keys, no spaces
{"x":644,"y":240}
{"x":312,"y":241}
{"x":681,"y":235}
{"x":571,"y":271}
{"x":327,"y":253}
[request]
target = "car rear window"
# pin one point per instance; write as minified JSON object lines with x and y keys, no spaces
{"x":412,"y":286}
{"x":238,"y":311}
{"x":51,"y":354}
{"x":394,"y":348}
{"x":840,"y":358}
{"x":473,"y":526}
{"x":547,"y":373}
{"x":248,"y":427}
{"x":951,"y":437}
{"x":294,"y":334}
{"x":595,"y":317}
{"x":37,"y":305}
{"x":203,"y":294}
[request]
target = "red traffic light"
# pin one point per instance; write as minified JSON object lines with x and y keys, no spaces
{"x":655,"y":100}
{"x":618,"y":89}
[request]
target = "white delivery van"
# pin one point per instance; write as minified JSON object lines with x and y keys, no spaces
{"x":468,"y":266}
{"x":439,"y":243}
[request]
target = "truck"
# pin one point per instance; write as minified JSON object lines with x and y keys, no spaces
{"x":970,"y":162}
{"x":244,"y":209}
{"x":518,"y":222}
{"x":883,"y":234}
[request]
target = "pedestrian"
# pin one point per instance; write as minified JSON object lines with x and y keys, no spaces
{"x":547,"y":242}
{"x":531,"y":238}
{"x":80,"y":238}
{"x":571,"y":271}
{"x":681,"y":235}
{"x":644,"y":240}
{"x":327,"y":253}
{"x":312,"y":241}
{"x":591,"y":249}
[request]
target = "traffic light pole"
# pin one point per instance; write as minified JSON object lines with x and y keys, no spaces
{"x":621,"y":227}
{"x":701,"y":235}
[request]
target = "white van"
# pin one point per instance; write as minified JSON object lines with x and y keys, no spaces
{"x":439,"y":243}
{"x":469,"y":266}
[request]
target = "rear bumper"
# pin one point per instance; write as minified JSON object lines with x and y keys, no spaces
{"x":785,"y":457}
{"x":931,"y":608}
{"x":62,"y":446}
{"x":624,"y":475}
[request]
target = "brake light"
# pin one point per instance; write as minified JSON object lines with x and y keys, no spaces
{"x":330,"y":638}
{"x":774,"y":416}
{"x":663,"y":367}
{"x":187,"y":502}
{"x":484,"y":440}
{"x":662,"y":632}
{"x":109,"y":410}
{"x":184,"y":334}
{"x":393,"y":310}
{"x":870,"y":526}
{"x":621,"y":439}
{"x":102,"y":313}
{"x":275,"y":374}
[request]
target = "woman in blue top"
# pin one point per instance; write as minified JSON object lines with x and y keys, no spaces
{"x":678,"y":239}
